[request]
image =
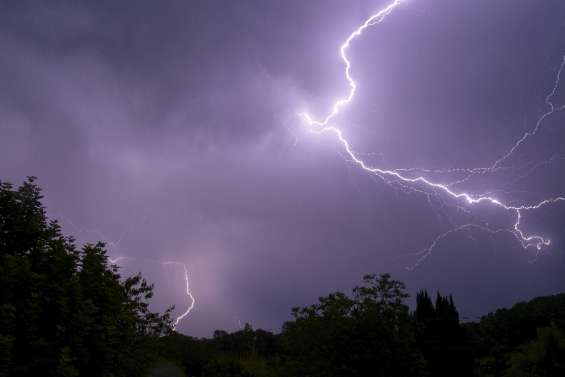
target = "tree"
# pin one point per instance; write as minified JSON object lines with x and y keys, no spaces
{"x":425,"y":311}
{"x":501,"y":333}
{"x":65,"y":311}
{"x":369,"y":333}
{"x":442,"y":340}
{"x":542,"y":357}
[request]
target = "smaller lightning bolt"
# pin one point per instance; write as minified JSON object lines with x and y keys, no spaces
{"x":425,"y":253}
{"x":518,"y":233}
{"x":116,"y":261}
{"x":80,"y":230}
{"x":496,"y":166}
{"x":552,"y":109}
{"x":188,"y":293}
{"x":534,"y":167}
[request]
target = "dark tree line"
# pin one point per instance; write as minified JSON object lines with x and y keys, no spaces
{"x":372,"y":333}
{"x":65,"y":311}
{"x":444,"y":343}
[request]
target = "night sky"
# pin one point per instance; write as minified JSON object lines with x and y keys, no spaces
{"x":170,"y":130}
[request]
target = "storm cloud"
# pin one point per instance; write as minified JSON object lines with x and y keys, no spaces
{"x":169,"y":129}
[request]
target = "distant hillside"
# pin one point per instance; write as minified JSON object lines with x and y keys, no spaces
{"x":516,"y":341}
{"x":327,"y":339}
{"x":514,"y":326}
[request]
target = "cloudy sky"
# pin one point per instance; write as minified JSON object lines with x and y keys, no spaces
{"x":169,"y":129}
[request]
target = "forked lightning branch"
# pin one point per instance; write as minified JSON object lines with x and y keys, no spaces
{"x":326,"y":125}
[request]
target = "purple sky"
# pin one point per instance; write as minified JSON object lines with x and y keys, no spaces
{"x":170,"y":128}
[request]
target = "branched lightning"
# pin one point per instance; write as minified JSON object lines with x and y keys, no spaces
{"x":418,"y":182}
{"x":552,"y":109}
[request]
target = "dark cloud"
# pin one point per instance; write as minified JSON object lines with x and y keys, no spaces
{"x":170,"y":128}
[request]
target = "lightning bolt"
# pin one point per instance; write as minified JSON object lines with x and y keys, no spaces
{"x":116,"y":261}
{"x":376,"y":18}
{"x":187,"y":291}
{"x":401,"y":176}
{"x":552,"y":109}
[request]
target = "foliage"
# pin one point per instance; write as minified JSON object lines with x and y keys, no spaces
{"x":500,"y":335}
{"x":65,"y":311}
{"x":369,"y":333}
{"x":444,"y":343}
{"x":543,"y":357}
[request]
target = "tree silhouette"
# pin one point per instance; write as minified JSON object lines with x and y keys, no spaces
{"x":65,"y":311}
{"x":369,"y":333}
{"x":542,"y":357}
{"x":441,"y":338}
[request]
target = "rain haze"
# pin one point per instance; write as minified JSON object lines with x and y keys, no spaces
{"x":171,"y":131}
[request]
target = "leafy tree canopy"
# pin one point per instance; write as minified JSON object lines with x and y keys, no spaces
{"x":64,"y":310}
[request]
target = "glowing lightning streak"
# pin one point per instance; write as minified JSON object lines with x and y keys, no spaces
{"x":496,"y":165}
{"x":116,"y":261}
{"x":188,"y":293}
{"x":323,"y":126}
{"x":187,"y":285}
{"x":552,"y":109}
{"x":373,"y":20}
